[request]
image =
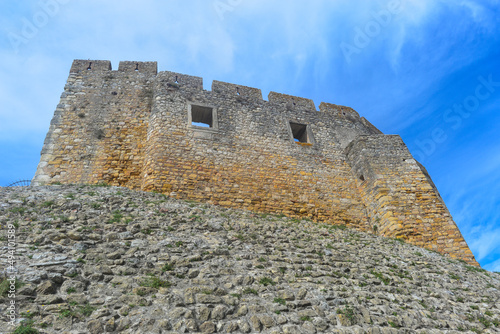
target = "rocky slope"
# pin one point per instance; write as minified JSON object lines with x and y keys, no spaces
{"x":109,"y":260}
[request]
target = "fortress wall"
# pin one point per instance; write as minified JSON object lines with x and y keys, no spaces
{"x":80,"y":66}
{"x":237,"y":91}
{"x":399,"y":197}
{"x":288,"y":102}
{"x":119,"y":160}
{"x":172,"y":81}
{"x":149,"y":68}
{"x":99,"y":128}
{"x":132,"y":128}
{"x":250,"y":160}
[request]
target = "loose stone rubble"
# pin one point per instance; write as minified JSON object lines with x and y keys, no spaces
{"x":93,"y":259}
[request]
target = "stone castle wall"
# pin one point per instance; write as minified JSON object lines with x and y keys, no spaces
{"x":138,"y":128}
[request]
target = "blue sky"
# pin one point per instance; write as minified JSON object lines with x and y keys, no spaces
{"x":427,"y":70}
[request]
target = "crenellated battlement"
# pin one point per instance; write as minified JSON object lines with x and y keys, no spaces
{"x":291,"y":102}
{"x":104,"y":66}
{"x":182,"y":82}
{"x":162,"y":131}
{"x":229,"y":89}
{"x":174,"y":80}
{"x":148,"y":67}
{"x":340,"y":111}
{"x":80,"y":66}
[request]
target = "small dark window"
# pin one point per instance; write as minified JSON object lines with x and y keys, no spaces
{"x":299,"y":132}
{"x":202,"y":116}
{"x":362,"y":178}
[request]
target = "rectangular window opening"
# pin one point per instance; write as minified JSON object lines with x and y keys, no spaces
{"x":299,"y":132}
{"x":202,"y":116}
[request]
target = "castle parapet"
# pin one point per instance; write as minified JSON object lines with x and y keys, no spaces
{"x":147,"y":67}
{"x":174,"y":80}
{"x":291,"y":102}
{"x":229,"y":89}
{"x":337,"y":110}
{"x":81,"y":65}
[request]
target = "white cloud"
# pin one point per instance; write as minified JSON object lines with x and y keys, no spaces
{"x":476,"y":9}
{"x":485,"y":243}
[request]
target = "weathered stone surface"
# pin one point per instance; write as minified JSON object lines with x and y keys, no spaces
{"x":219,"y":312}
{"x":137,"y":128}
{"x":256,"y":272}
{"x":95,"y":327}
{"x":267,"y":321}
{"x":74,"y":235}
{"x":46,"y":288}
{"x":208,"y":327}
{"x":256,"y":324}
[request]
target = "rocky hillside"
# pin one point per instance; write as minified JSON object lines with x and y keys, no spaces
{"x":109,"y":260}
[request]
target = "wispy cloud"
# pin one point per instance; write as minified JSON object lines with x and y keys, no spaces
{"x":485,"y":243}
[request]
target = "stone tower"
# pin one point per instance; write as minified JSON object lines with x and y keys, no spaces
{"x":151,"y":131}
